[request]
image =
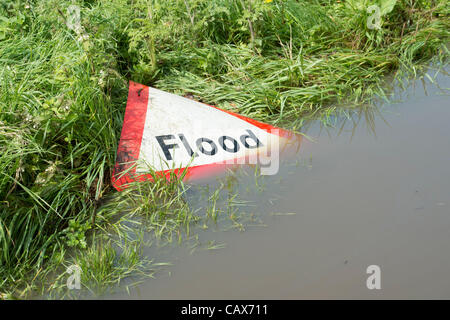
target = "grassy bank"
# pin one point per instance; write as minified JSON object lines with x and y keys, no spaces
{"x":63,"y":94}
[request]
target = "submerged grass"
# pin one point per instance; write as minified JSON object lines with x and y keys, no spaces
{"x":63,"y":93}
{"x":102,"y":266}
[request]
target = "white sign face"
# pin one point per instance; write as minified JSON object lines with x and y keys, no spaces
{"x":163,"y":131}
{"x":179,"y":132}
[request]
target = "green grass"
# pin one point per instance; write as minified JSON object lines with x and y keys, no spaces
{"x":63,"y":95}
{"x":104,"y":265}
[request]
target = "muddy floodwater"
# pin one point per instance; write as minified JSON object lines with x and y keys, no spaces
{"x":374,"y":190}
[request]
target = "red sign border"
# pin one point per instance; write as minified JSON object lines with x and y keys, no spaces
{"x":131,"y":138}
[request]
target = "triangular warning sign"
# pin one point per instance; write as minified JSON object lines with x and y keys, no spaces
{"x":165,"y":132}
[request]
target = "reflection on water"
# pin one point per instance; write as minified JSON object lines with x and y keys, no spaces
{"x":373,"y":190}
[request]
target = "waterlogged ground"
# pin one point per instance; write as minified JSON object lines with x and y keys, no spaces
{"x":374,"y":192}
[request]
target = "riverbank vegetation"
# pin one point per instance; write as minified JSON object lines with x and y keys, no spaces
{"x":63,"y":90}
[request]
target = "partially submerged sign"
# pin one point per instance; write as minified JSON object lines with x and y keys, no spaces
{"x":163,"y":132}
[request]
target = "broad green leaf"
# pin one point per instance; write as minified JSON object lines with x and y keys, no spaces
{"x":387,"y":6}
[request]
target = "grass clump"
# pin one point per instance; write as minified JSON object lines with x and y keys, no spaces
{"x":59,"y":127}
{"x":63,"y":93}
{"x":157,"y":205}
{"x":105,"y":264}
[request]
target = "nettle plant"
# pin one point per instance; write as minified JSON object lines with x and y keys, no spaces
{"x":170,"y":26}
{"x":252,"y":15}
{"x":75,"y":234}
{"x":10,"y":22}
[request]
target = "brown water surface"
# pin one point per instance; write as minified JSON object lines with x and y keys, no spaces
{"x":375,"y":193}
